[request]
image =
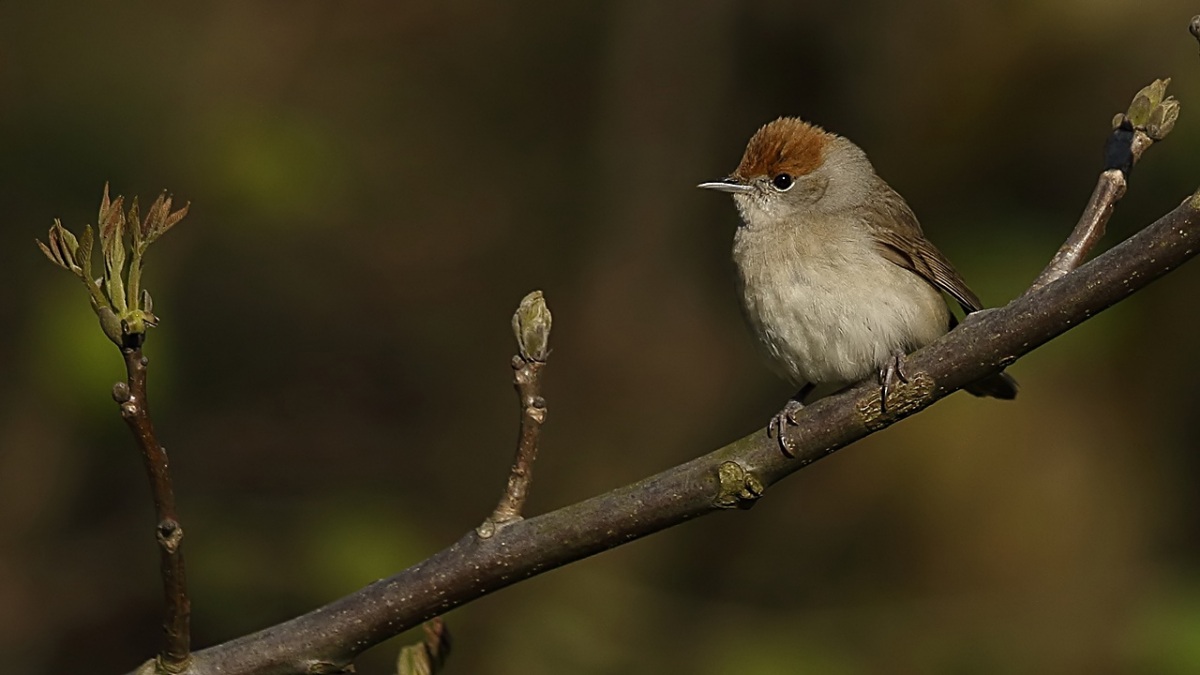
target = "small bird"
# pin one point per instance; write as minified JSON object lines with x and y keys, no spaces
{"x":836,"y":279}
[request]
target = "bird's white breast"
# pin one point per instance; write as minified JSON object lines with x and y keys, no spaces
{"x":826,"y":307}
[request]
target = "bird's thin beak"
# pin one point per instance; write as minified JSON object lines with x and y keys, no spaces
{"x":730,"y":185}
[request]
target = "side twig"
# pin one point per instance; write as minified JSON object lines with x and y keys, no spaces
{"x":131,"y":396}
{"x":1150,"y":118}
{"x":531,"y":327}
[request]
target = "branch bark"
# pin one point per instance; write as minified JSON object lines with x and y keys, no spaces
{"x":527,"y":379}
{"x":328,"y":639}
{"x":131,"y":396}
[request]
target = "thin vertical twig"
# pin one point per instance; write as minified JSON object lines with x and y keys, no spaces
{"x":1110,"y":188}
{"x":531,"y":327}
{"x":131,"y":396}
{"x":527,"y":378}
{"x":1150,"y":117}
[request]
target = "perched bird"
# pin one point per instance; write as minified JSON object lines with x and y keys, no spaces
{"x":836,"y":279}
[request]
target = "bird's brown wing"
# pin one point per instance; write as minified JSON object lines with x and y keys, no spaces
{"x":902,"y":242}
{"x":895,"y":229}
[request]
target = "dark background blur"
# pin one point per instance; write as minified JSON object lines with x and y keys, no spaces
{"x":375,"y":185}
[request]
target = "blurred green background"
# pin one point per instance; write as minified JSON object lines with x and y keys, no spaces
{"x":375,"y":185}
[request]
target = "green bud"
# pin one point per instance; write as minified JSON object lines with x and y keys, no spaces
{"x":531,"y":327}
{"x":1146,"y":100}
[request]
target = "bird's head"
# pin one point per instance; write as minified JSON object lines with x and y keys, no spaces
{"x":792,"y":170}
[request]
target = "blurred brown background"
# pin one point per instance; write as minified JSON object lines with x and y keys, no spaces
{"x":374,"y":187}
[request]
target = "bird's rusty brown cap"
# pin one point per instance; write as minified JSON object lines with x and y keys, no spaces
{"x":787,"y":145}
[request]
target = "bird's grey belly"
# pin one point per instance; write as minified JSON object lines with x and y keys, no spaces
{"x":825,"y":324}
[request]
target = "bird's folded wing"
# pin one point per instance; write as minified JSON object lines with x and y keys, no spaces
{"x":895,"y":229}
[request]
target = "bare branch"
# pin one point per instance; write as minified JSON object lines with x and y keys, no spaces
{"x":131,"y":396}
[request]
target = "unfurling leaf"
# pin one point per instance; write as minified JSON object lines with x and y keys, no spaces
{"x":114,"y":285}
{"x":62,"y":249}
{"x":112,"y":221}
{"x":146,"y":312}
{"x":52,"y":250}
{"x":156,"y":214}
{"x":428,"y":656}
{"x":112,"y":246}
{"x":125,"y":309}
{"x":413,"y":660}
{"x":112,"y":325}
{"x":105,"y":206}
{"x":65,"y":237}
{"x":85,"y":252}
{"x":135,"y":224}
{"x":159,"y":218}
{"x":1162,"y":119}
{"x":49,"y":254}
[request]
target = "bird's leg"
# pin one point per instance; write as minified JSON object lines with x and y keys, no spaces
{"x":888,"y":374}
{"x":787,"y":417}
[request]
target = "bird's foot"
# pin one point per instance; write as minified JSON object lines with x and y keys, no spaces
{"x":779,"y":424}
{"x":891,"y":371}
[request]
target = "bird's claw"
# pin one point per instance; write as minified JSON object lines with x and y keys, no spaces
{"x":779,"y":423}
{"x":888,"y":374}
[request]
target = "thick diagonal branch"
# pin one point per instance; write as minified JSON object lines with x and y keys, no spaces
{"x":328,"y":639}
{"x":131,"y":396}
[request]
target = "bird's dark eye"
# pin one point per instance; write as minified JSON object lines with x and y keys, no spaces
{"x":782,"y":181}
